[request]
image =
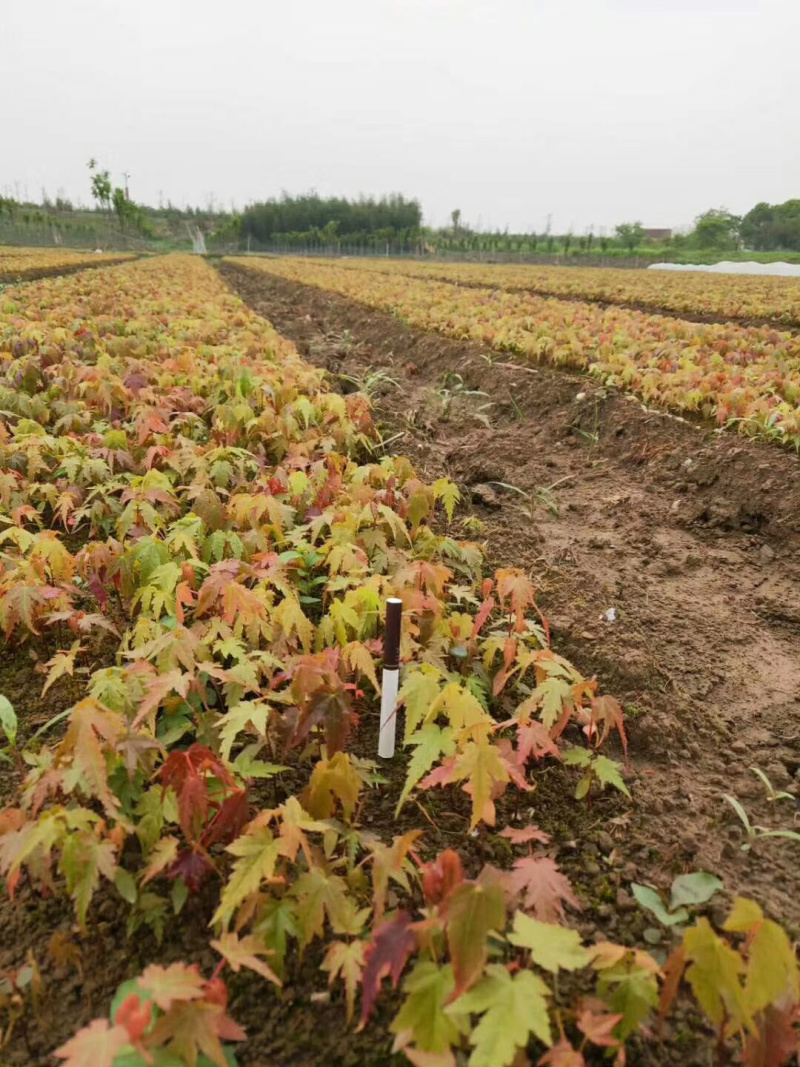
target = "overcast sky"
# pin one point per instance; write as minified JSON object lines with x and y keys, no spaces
{"x":594,"y":111}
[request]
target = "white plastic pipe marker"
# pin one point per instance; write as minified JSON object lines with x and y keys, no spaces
{"x":391,"y":677}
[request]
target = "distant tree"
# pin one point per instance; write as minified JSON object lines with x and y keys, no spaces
{"x":630,"y":234}
{"x":120,"y":203}
{"x":329,"y":233}
{"x":101,"y":185}
{"x":771,"y":227}
{"x":356,"y":219}
{"x":455,"y":218}
{"x":716,"y":229}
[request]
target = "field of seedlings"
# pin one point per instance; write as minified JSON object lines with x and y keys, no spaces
{"x":762,"y":300}
{"x":747,"y":376}
{"x":212,"y":481}
{"x":23,"y":264}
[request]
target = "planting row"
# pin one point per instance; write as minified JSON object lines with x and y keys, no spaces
{"x":19,"y":264}
{"x":745,"y":377}
{"x":192,"y":519}
{"x":726,"y":296}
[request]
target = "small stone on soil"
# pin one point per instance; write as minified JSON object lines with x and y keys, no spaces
{"x":484,"y":494}
{"x":605,"y":841}
{"x":625,"y":901}
{"x":777,"y":773}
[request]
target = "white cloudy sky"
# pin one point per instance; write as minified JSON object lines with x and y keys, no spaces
{"x":594,"y":111}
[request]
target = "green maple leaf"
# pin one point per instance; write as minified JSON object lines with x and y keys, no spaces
{"x":8,"y":720}
{"x":276,"y":924}
{"x":472,"y":912}
{"x":771,"y":963}
{"x":715,"y":975}
{"x":345,"y":960}
{"x":448,"y":493}
{"x":607,"y":772}
{"x":419,"y":507}
{"x":552,"y":693}
{"x":630,"y":991}
{"x":428,"y":989}
{"x":463,"y":710}
{"x":331,"y":780}
{"x":258,"y":854}
{"x":512,"y":1009}
{"x":83,"y":859}
{"x":481,"y":765}
{"x":238,"y":718}
{"x":419,"y":690}
{"x":551,"y":947}
{"x":319,"y":894}
{"x":430,"y":743}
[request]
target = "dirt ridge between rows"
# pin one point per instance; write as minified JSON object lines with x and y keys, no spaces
{"x":690,"y":537}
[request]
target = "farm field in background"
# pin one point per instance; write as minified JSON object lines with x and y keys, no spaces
{"x":199,"y":534}
{"x":763,"y":299}
{"x":748,"y":377}
{"x":22,"y":264}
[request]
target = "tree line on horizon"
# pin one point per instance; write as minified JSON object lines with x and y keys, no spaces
{"x":395,"y":222}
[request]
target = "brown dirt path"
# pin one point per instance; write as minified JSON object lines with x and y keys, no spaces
{"x":690,"y":537}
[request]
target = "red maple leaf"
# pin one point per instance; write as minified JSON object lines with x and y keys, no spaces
{"x":444,"y":774}
{"x":135,"y":1015}
{"x":562,"y":1054}
{"x":441,"y":876}
{"x":533,"y":739}
{"x":776,"y":1039}
{"x":192,"y":867}
{"x":392,"y":943}
{"x":608,"y":712}
{"x":520,"y":835}
{"x":597,"y":1024}
{"x":187,"y":772}
{"x":543,"y":889}
{"x":230,"y":820}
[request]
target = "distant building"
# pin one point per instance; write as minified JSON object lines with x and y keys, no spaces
{"x":657,"y":235}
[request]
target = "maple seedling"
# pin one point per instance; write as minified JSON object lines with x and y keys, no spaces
{"x":597,"y":769}
{"x":168,"y":1015}
{"x":19,"y":989}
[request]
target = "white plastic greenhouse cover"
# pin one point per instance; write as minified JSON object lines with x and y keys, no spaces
{"x":786,"y":270}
